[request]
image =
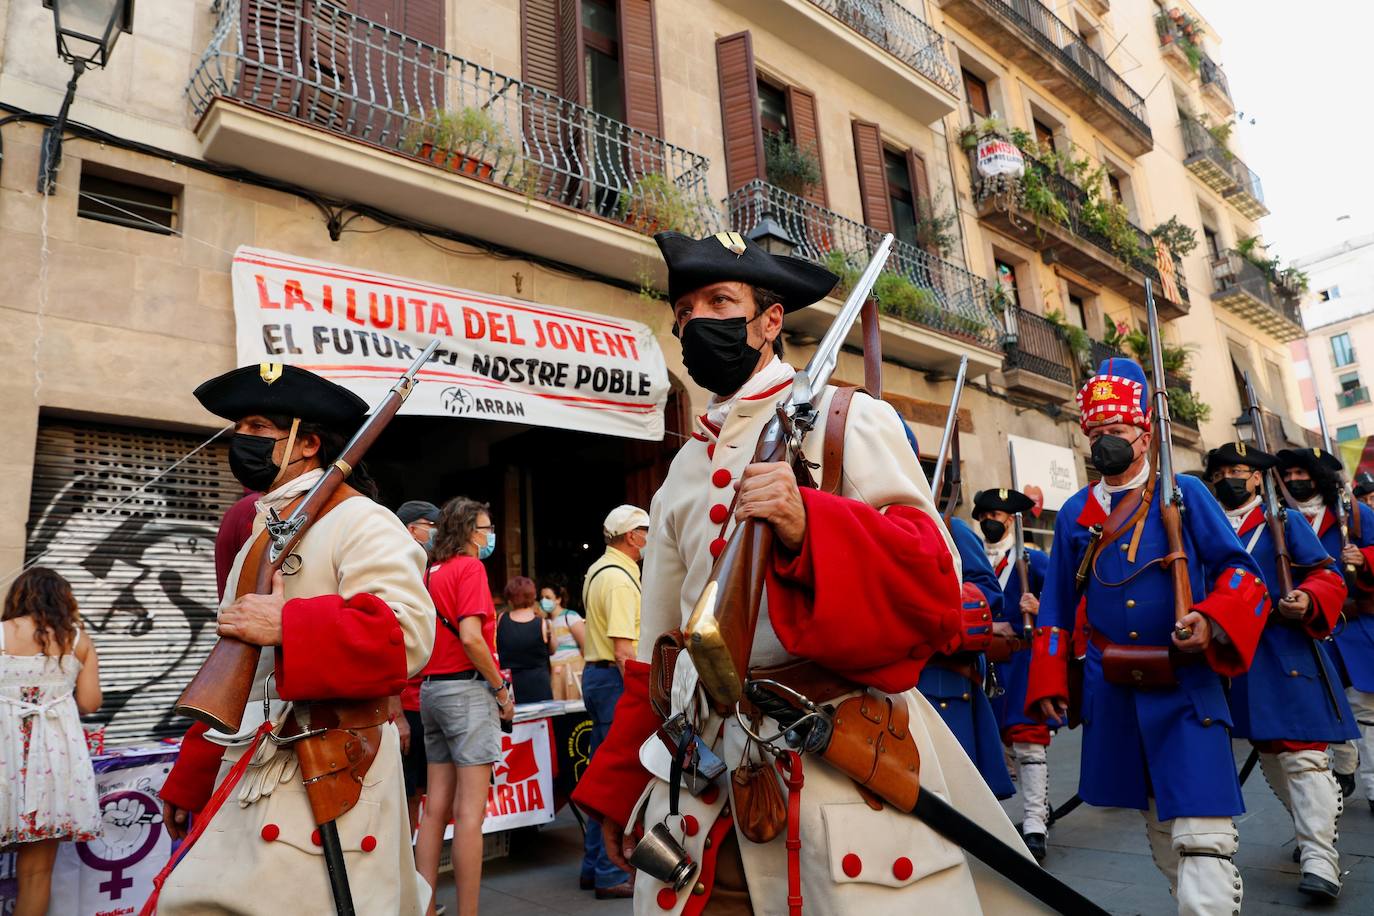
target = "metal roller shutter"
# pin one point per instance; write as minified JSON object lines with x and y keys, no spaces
{"x":144,"y":574}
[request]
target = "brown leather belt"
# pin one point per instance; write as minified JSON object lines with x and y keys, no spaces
{"x":817,"y":684}
{"x":1179,"y":659}
{"x":964,"y":664}
{"x":1141,"y":666}
{"x":335,"y":761}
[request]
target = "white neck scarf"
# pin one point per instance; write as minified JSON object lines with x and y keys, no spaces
{"x":1103,"y":490}
{"x":1313,"y":508}
{"x":288,"y":491}
{"x":1238,"y":516}
{"x":770,"y":376}
{"x":996,"y":551}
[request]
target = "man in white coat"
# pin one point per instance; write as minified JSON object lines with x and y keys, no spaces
{"x":347,"y":625}
{"x":864,"y":582}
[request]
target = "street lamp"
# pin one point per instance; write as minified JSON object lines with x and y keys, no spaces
{"x":1245,"y":428}
{"x":86,"y":34}
{"x":770,"y":235}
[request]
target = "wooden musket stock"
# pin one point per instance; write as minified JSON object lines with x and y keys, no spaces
{"x":219,"y":692}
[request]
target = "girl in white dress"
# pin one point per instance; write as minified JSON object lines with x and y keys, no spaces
{"x":48,"y":678}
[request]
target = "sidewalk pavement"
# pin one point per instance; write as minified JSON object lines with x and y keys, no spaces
{"x":1100,"y":851}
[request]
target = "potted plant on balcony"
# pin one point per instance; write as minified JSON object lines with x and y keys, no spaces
{"x":469,"y":140}
{"x":901,"y":298}
{"x":654,"y":203}
{"x":1175,"y":236}
{"x":1077,"y":338}
{"x":937,"y":230}
{"x":1292,"y":282}
{"x":1184,"y":31}
{"x":843,"y":265}
{"x":790,"y":167}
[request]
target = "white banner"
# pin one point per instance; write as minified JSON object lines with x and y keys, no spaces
{"x":1052,"y":468}
{"x":999,"y":156}
{"x":521,"y":793}
{"x":500,"y":359}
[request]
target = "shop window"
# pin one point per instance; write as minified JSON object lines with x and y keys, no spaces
{"x":1342,"y":350}
{"x":124,"y":199}
{"x":1347,"y":433}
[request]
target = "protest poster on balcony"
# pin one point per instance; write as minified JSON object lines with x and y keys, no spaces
{"x":498,"y":359}
{"x":997,"y":155}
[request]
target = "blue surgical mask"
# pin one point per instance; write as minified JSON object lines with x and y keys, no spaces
{"x":429,"y":541}
{"x":489,"y":547}
{"x":546,"y":605}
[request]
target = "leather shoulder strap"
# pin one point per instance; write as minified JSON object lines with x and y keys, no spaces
{"x":248,"y":574}
{"x":832,"y":453}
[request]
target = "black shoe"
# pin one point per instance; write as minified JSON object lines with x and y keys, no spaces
{"x":1297,"y":853}
{"x":1347,"y":783}
{"x":585,"y":883}
{"x":1035,"y":842}
{"x":1318,"y":888}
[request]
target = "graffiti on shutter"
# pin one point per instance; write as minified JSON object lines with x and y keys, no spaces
{"x":143,"y":573}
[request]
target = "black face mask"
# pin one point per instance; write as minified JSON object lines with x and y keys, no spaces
{"x":717,"y":354}
{"x":1231,"y":492}
{"x":1112,"y":455}
{"x":1302,"y":490}
{"x":993,"y":530}
{"x":250,"y":460}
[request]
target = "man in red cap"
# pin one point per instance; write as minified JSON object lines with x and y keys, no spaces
{"x":347,"y":624}
{"x":863,"y":583}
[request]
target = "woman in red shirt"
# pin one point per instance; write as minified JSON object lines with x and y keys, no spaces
{"x":462,"y":698}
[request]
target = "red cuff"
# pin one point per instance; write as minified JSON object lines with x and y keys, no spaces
{"x":904,"y":587}
{"x":615,"y":778}
{"x":1364,"y":575}
{"x":1048,"y":678}
{"x":192,"y":780}
{"x":975,"y":622}
{"x":333,"y":649}
{"x":1239,"y":604}
{"x":1326,"y":588}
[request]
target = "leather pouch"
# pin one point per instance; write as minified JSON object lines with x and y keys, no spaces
{"x":1002,"y":648}
{"x":1138,"y":666}
{"x":872,"y":745}
{"x":760,"y":809}
{"x":662,"y":664}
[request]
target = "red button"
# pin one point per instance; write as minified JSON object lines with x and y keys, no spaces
{"x":710,"y":794}
{"x":270,"y":832}
{"x":690,"y":825}
{"x":719,"y":513}
{"x":851,"y":865}
{"x":667,"y":899}
{"x":315,"y":838}
{"x":710,"y":450}
{"x":369,"y":843}
{"x":716,"y":547}
{"x":721,"y":478}
{"x":901,"y":869}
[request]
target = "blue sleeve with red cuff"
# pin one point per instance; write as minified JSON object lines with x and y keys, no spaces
{"x":977,"y":570}
{"x":334,"y":649}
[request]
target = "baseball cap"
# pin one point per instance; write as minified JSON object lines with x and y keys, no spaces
{"x":416,"y":509}
{"x":623,"y":519}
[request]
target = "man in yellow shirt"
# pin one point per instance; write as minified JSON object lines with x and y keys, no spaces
{"x":610,"y":602}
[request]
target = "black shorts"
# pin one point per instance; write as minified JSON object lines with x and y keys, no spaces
{"x":413,"y":763}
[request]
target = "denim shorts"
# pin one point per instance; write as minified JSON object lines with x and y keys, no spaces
{"x":462,"y":722}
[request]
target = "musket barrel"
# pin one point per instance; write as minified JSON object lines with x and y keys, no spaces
{"x":938,"y":478}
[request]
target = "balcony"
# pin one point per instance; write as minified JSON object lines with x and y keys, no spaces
{"x":1215,"y":89}
{"x":879,"y":44}
{"x":1081,"y":243}
{"x":935,"y":311}
{"x":1039,"y":361}
{"x":1352,"y":397}
{"x":1248,"y":291}
{"x":1185,"y":427}
{"x":1175,"y":48}
{"x":1049,"y":50}
{"x":1222,"y":171}
{"x":377,"y":119}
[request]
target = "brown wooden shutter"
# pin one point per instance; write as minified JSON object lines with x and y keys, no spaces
{"x":271,"y":37}
{"x":739,"y":110}
{"x":806,"y":134}
{"x":920,"y":184}
{"x":540,"y":64}
{"x":868,"y":155}
{"x":639,"y":66}
{"x":573,"y":83}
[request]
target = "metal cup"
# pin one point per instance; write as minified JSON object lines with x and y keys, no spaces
{"x":661,"y":856}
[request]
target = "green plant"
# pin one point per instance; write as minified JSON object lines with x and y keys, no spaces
{"x":1184,"y":405}
{"x":1073,"y":335}
{"x":1021,"y":138}
{"x":1039,"y":199}
{"x":470,"y":131}
{"x":1292,"y":280}
{"x":1183,"y":30}
{"x":790,"y":167}
{"x":898,"y":296}
{"x":1175,"y":236}
{"x":654,"y":203}
{"x":938,"y":230}
{"x":649,"y":294}
{"x":1175,"y":359}
{"x":843,"y":266}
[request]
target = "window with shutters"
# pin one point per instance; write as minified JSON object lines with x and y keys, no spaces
{"x":1006,"y":278}
{"x":772,"y":109}
{"x":901,"y":195}
{"x":601,"y":58}
{"x":1044,"y":134}
{"x":976,"y":92}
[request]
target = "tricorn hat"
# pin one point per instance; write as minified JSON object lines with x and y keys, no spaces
{"x":280,"y":390}
{"x":1312,"y":460}
{"x":693,"y":263}
{"x":1233,"y":453}
{"x":1003,"y":500}
{"x":1363,"y":484}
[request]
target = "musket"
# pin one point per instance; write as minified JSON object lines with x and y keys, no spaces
{"x":1344,"y":504}
{"x":1018,"y":548}
{"x":948,"y":456}
{"x":720,"y":631}
{"x":1276,"y":517}
{"x":1170,"y":499}
{"x":219,"y":692}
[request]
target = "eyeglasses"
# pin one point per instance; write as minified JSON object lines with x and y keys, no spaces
{"x":484,"y":527}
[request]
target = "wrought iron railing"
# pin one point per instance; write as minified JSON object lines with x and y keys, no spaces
{"x":1212,"y":75}
{"x":917,"y":286}
{"x":1037,"y":345}
{"x":1231,"y":271}
{"x":1058,"y":38}
{"x":324,"y":66}
{"x":900,"y":32}
{"x":1140,"y":257}
{"x":1352,"y":397}
{"x":1199,"y":141}
{"x":1099,"y":352}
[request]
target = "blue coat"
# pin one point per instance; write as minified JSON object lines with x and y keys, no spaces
{"x":1353,"y":646}
{"x":1011,"y":675}
{"x":962,"y":704}
{"x":1172,"y":742}
{"x":1281,"y":697}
